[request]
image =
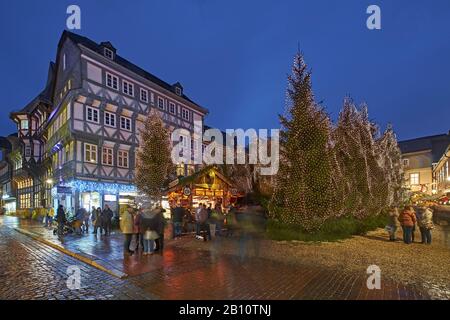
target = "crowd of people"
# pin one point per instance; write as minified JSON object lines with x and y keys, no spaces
{"x":81,"y":220}
{"x":408,"y":219}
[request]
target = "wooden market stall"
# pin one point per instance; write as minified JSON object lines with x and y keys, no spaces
{"x":207,"y":186}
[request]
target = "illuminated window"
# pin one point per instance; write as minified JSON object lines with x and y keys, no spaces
{"x":90,"y":153}
{"x":414,"y":178}
{"x":122,"y":159}
{"x":24,"y":124}
{"x":107,"y":156}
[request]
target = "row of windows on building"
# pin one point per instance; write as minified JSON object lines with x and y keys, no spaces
{"x":60,"y":120}
{"x":112,"y":82}
{"x":107,"y":159}
{"x":109,"y":119}
{"x":443,"y":174}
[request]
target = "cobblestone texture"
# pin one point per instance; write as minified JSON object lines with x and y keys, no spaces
{"x":32,"y":270}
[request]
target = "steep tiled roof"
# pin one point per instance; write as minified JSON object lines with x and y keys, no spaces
{"x":88,"y":43}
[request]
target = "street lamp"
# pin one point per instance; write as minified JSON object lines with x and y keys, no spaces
{"x":49,"y":181}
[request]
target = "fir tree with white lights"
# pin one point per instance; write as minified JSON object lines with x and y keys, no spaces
{"x":153,"y":158}
{"x":304,"y":191}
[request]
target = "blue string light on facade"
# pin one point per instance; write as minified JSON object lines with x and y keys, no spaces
{"x":102,"y":187}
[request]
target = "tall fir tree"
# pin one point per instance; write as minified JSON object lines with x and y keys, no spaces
{"x":154,"y":162}
{"x":390,"y":161}
{"x":304,"y":191}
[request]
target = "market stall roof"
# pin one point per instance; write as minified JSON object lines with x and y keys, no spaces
{"x":183,"y":181}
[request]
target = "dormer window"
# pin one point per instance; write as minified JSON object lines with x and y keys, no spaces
{"x":108,"y":53}
{"x":178,"y":91}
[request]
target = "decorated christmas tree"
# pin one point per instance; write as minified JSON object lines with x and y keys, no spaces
{"x":154,"y":161}
{"x":304,"y":192}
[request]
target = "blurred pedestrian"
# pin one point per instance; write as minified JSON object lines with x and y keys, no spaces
{"x":393,"y":223}
{"x":177,"y":220}
{"x":127,"y":228}
{"x":98,"y":222}
{"x":426,"y":225}
{"x":107,"y":216}
{"x":61,"y":219}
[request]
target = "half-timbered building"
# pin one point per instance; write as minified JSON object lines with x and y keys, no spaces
{"x":83,"y":134}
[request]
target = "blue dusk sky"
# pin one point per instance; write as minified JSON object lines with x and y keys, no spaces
{"x":233,"y":57}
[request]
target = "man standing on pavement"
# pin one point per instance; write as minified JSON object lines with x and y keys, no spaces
{"x":61,"y":219}
{"x":177,"y":219}
{"x":107,"y":219}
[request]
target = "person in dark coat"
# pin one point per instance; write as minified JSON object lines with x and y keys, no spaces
{"x":61,"y":219}
{"x":177,"y":220}
{"x":107,"y":216}
{"x":98,"y":222}
{"x":161,"y":224}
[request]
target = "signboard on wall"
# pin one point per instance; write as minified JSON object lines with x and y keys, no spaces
{"x":63,"y":190}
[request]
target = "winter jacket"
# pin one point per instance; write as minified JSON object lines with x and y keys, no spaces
{"x":98,"y":218}
{"x":426,"y":220}
{"x":51,"y":212}
{"x":178,"y":214}
{"x":60,"y":215}
{"x":202,"y":215}
{"x":126,"y":223}
{"x":107,"y":215}
{"x":407,"y":218}
{"x":393,"y":218}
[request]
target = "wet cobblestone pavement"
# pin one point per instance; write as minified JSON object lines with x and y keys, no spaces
{"x":32,"y":270}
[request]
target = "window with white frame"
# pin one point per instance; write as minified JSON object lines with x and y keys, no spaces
{"x":112,"y":81}
{"x":122,"y":159}
{"x":107,"y":156}
{"x":108,"y":53}
{"x":90,"y":153}
{"x":172,"y":107}
{"x":92,"y":114}
{"x":185,"y":114}
{"x":125,"y":123}
{"x":414,"y":178}
{"x":161,"y":103}
{"x":144,"y":95}
{"x":110,"y":119}
{"x":127,"y":88}
{"x":406,"y":162}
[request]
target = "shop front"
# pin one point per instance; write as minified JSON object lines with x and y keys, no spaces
{"x":207,"y":186}
{"x":92,"y":194}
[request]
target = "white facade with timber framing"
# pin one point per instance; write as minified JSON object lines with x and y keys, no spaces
{"x":99,"y":102}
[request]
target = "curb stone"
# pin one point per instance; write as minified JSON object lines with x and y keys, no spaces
{"x":93,"y":263}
